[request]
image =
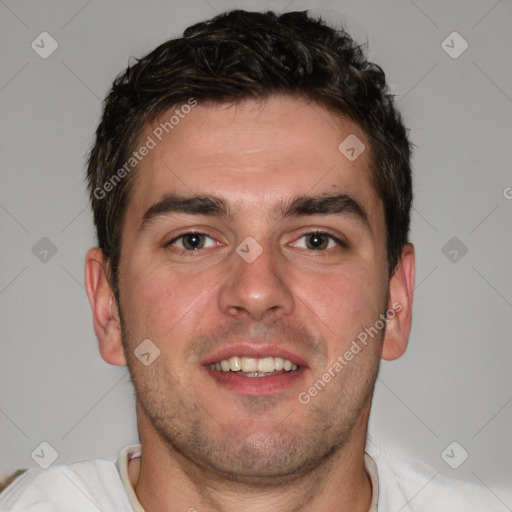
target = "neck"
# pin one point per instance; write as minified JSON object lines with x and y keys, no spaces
{"x":167,"y":481}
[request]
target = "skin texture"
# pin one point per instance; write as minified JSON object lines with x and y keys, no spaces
{"x":208,"y":447}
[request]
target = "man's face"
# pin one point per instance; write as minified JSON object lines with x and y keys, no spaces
{"x":304,"y":298}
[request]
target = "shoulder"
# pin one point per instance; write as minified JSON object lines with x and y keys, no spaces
{"x":406,"y":483}
{"x":87,"y":485}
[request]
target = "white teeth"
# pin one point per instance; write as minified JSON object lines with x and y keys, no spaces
{"x":266,"y":364}
{"x":251,"y":365}
{"x":235,"y":363}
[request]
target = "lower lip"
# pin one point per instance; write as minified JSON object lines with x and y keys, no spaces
{"x":256,"y":385}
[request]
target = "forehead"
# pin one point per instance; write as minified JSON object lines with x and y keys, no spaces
{"x":255,"y":154}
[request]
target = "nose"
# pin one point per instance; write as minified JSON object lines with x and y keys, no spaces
{"x":256,"y":288}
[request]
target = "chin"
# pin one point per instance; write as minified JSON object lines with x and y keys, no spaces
{"x":261,"y":459}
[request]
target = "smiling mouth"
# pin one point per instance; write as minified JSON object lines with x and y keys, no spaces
{"x":255,"y":367}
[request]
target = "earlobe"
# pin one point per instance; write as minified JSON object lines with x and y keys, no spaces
{"x":401,"y":287}
{"x":104,"y":309}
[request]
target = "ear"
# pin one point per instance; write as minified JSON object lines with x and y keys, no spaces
{"x":401,"y":288}
{"x":104,"y":307}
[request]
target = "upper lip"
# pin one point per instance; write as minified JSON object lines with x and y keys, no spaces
{"x":255,"y":351}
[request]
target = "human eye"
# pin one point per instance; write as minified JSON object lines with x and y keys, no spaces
{"x":320,"y":241}
{"x":189,"y":242}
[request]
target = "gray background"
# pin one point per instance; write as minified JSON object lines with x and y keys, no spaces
{"x":453,"y":384}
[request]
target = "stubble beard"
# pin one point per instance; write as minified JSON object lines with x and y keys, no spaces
{"x":303,"y":439}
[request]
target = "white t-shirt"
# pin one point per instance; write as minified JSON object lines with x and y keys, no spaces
{"x":101,"y":485}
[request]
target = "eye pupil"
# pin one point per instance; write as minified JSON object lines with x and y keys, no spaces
{"x":318,"y":241}
{"x":192,"y":241}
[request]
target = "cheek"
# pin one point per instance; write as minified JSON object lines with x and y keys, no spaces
{"x":343,"y":302}
{"x":152,"y":301}
{"x":164,"y":304}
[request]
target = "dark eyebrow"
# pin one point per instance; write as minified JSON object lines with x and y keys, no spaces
{"x":193,"y":204}
{"x":214,"y":206}
{"x":337,"y":204}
